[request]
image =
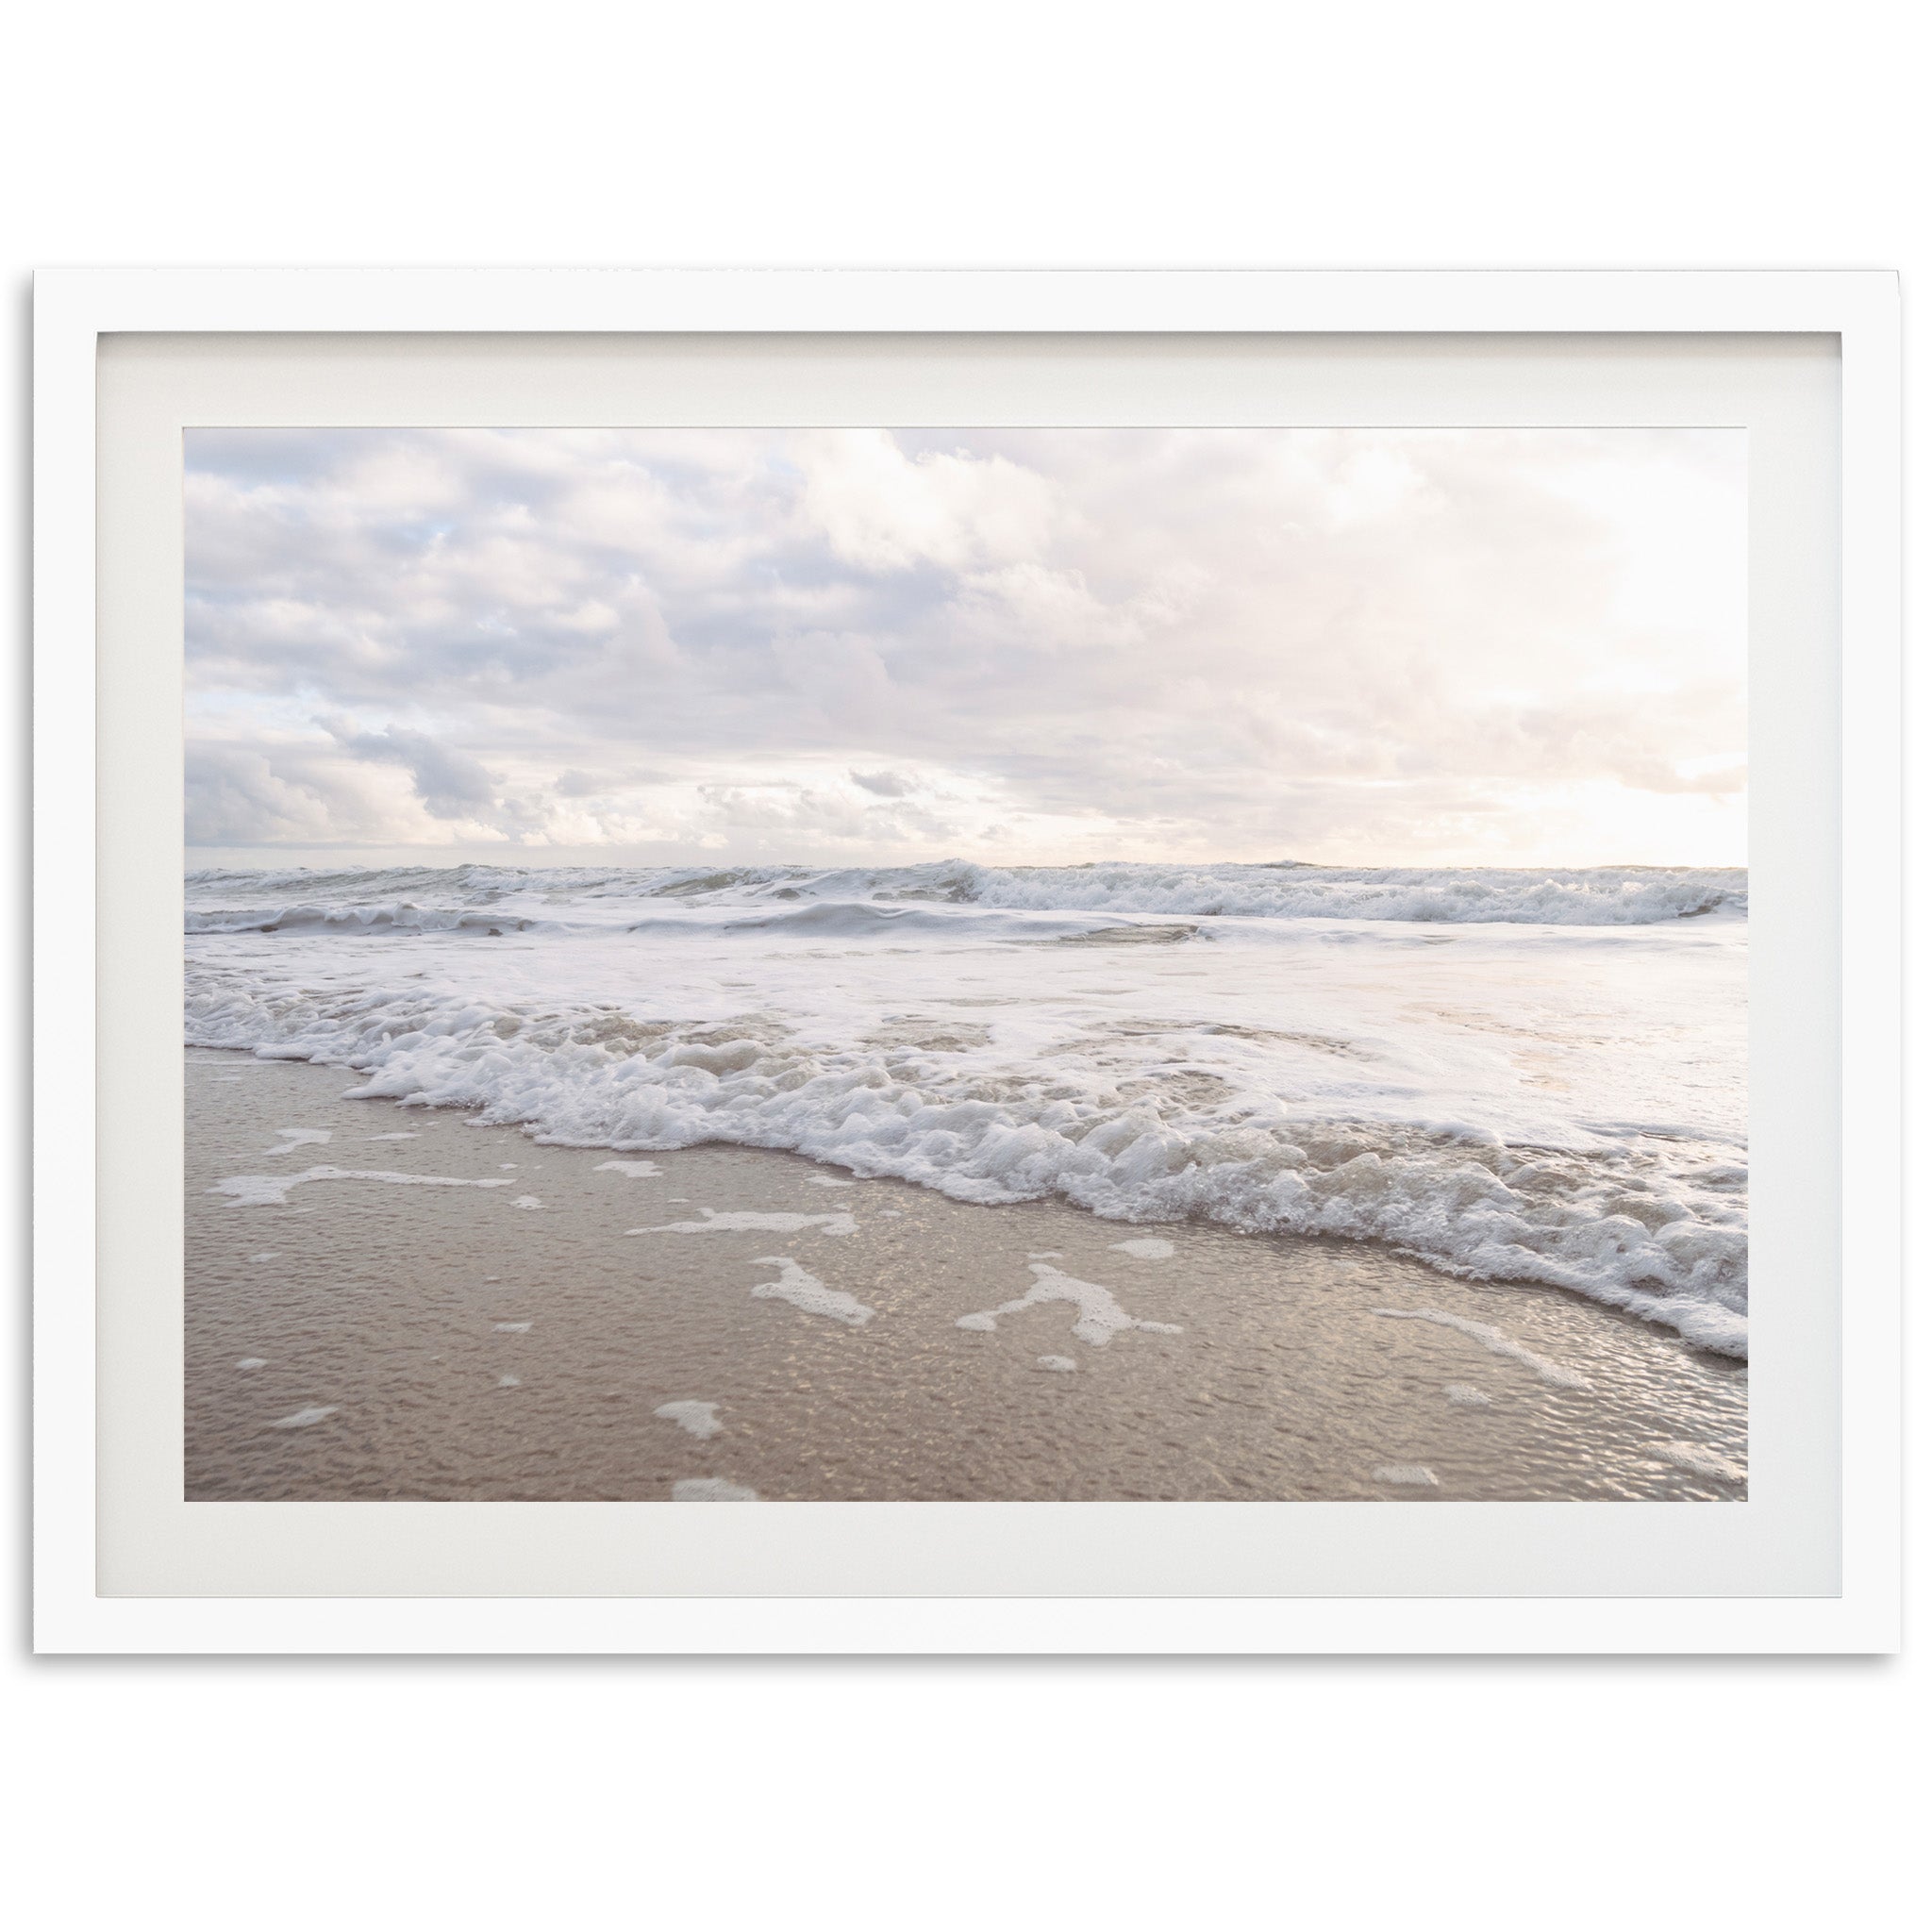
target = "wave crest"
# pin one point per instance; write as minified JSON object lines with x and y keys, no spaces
{"x":1649,"y":1224}
{"x":422,"y":898}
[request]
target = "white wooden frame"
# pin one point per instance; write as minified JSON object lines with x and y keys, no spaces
{"x":75,"y":307}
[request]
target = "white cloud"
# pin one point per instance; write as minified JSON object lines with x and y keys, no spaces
{"x":1345,"y":646}
{"x":885,"y":508}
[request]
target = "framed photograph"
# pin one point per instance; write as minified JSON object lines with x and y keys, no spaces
{"x":1157,"y":955}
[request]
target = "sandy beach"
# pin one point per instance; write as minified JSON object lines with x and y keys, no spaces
{"x":392,"y":1302}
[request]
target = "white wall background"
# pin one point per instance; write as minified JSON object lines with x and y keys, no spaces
{"x":1390,"y":133}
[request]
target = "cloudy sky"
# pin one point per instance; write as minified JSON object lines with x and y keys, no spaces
{"x":1021,"y":646}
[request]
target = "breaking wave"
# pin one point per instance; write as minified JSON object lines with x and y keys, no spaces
{"x":475,"y":897}
{"x":1528,"y":1075}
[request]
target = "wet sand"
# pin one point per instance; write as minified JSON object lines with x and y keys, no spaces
{"x":364,"y":1337}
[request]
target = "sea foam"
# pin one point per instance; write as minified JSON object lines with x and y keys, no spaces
{"x":495,"y":900}
{"x":1511,"y":1076}
{"x":806,"y":1293}
{"x":1101,"y":1317}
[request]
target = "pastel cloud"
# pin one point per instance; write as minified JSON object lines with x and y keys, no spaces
{"x":1056,"y":644}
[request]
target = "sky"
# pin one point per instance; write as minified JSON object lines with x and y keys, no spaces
{"x":882,"y":646}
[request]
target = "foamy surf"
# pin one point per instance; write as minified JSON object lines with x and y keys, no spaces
{"x":480,"y":898}
{"x":1530,"y":1076}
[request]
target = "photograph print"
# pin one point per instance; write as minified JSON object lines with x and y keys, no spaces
{"x":966,"y":964}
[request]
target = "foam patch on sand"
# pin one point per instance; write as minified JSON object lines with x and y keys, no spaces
{"x":636,"y":1169}
{"x":271,"y":1190}
{"x":273,"y":1255}
{"x":1101,"y":1316}
{"x":1148,"y":1248}
{"x":1700,"y":1461}
{"x":1409,"y":1474}
{"x":509,"y":1381}
{"x":1058,"y":1364}
{"x":741,"y":1222}
{"x":511,"y":1327}
{"x":253,"y":1362}
{"x":303,"y":1418}
{"x":698,"y":1419}
{"x":392,"y":1136}
{"x":1462,"y":1396}
{"x":1496,"y":1342}
{"x":293,"y":1138}
{"x":711,"y":1489}
{"x":809,"y":1293}
{"x":526,"y":1201}
{"x":826,"y":1180}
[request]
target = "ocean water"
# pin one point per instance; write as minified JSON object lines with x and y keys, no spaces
{"x":1515,"y":1075}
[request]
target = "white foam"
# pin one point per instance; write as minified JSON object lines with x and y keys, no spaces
{"x":809,"y":1293}
{"x":636,"y":1169}
{"x":253,"y":1362}
{"x":303,"y":1418}
{"x":273,"y":1255}
{"x":1148,"y":1248}
{"x":711,"y":1489}
{"x":1370,"y":1055}
{"x":526,"y":1201}
{"x":509,"y":1382}
{"x":826,"y":1180}
{"x":907,"y":899}
{"x":1101,"y":1316}
{"x":1411,"y":1474}
{"x":1462,"y":1396}
{"x":1059,"y":1364}
{"x":698,"y":1419}
{"x":1554,"y":1373}
{"x":293,"y":1138}
{"x":272,"y":1190}
{"x":738,"y":1222}
{"x":513,"y":1328}
{"x":1602,"y":897}
{"x":1700,"y":1461}
{"x":392,"y":1136}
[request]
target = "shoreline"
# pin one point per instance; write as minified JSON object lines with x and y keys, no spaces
{"x":402,"y":1303}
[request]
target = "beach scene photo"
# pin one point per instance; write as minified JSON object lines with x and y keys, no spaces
{"x":989,"y":964}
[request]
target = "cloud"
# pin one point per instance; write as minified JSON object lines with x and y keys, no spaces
{"x":884,"y":508}
{"x":235,"y":797}
{"x":450,"y":785}
{"x":884,"y":784}
{"x":1404,"y":646}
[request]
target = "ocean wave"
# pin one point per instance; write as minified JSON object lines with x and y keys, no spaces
{"x":1603,"y":896}
{"x":357,"y":919}
{"x":816,"y":920}
{"x":418,"y":898}
{"x":1653,"y":1223}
